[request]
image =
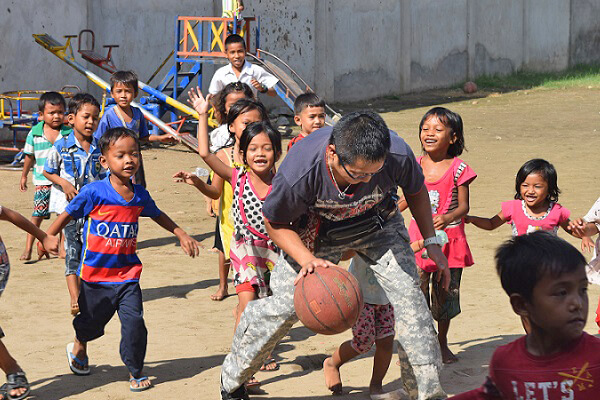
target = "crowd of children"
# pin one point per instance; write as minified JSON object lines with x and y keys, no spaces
{"x":89,"y":171}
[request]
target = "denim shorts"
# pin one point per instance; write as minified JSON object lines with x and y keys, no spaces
{"x":73,"y":244}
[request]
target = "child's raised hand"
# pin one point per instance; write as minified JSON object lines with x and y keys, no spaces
{"x":189,"y":245}
{"x":587,"y":244}
{"x":198,"y":102}
{"x":257,"y":85}
{"x":185,"y":177}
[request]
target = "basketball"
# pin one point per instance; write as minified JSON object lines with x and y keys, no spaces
{"x":328,"y":301}
{"x":470,"y":87}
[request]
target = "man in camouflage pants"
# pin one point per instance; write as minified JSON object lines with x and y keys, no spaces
{"x":336,"y":180}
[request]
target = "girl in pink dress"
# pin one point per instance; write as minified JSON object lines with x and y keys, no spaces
{"x":447,"y":179}
{"x":535,"y":206}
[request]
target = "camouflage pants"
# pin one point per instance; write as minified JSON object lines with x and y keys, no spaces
{"x":266,"y":321}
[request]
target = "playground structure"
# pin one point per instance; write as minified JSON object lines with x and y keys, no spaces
{"x":198,"y":41}
{"x":17,"y":117}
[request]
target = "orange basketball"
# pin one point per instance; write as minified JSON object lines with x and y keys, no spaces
{"x":328,"y":301}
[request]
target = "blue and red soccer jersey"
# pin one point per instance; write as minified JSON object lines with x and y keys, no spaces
{"x":110,"y":231}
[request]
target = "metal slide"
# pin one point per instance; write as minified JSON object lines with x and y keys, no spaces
{"x":60,"y":51}
{"x":290,"y":85}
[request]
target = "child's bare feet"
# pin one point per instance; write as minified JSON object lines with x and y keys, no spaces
{"x":220,"y":294}
{"x":447,"y":356}
{"x":26,"y":256}
{"x":333,"y":380}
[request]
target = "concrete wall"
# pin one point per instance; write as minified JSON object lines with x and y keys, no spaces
{"x":347,"y":50}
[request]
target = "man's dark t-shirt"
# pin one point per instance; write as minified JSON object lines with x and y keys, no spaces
{"x":304,"y":184}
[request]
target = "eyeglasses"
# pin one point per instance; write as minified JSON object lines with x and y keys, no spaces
{"x":358,"y":177}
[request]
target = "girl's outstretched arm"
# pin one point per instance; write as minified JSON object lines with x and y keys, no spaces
{"x":193,"y":180}
{"x":50,"y":242}
{"x":202,"y":105}
{"x":489,"y":224}
{"x":440,"y":222}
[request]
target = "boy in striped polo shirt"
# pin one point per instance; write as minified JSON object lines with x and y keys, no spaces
{"x":110,"y":268}
{"x":37,"y":146}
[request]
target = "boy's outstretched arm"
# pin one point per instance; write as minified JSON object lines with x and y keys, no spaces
{"x":188,"y":244}
{"x":489,"y":224}
{"x":49,"y":241}
{"x":202,"y":105}
{"x":581,"y":228}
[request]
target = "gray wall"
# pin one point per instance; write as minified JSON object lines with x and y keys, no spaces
{"x":347,"y":50}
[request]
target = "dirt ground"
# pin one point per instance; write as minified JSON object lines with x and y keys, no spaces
{"x":189,"y":334}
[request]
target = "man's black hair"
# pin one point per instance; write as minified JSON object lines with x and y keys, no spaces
{"x":523,"y":260}
{"x":53,"y":98}
{"x":79,"y":100}
{"x":361,"y":134}
{"x":126,"y":78}
{"x":308,"y":99}
{"x":234,"y":38}
{"x":112,"y":135}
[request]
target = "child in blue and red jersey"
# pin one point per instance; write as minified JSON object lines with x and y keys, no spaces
{"x":110,"y":268}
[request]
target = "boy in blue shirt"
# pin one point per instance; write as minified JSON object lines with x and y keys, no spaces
{"x":124,"y":89}
{"x":110,"y":268}
{"x":73,"y":162}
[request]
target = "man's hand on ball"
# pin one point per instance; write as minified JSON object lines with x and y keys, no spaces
{"x":310,"y":266}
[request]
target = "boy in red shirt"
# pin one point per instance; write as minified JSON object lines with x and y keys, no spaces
{"x":309,"y":115}
{"x":546,"y":281}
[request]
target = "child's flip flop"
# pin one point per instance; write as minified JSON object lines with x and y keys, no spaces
{"x":71,"y":357}
{"x":270,"y":361}
{"x":139,"y":388}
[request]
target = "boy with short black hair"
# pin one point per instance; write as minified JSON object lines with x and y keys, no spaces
{"x":124,"y":89}
{"x":39,"y":141}
{"x":110,"y":268}
{"x":73,"y":162}
{"x":545,"y":279}
{"x":240,"y":70}
{"x":309,"y":114}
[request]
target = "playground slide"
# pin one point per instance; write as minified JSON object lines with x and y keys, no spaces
{"x":290,"y":85}
{"x":59,"y":50}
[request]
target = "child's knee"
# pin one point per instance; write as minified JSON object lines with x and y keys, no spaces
{"x":385,"y":344}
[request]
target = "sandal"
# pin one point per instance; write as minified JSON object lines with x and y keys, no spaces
{"x":3,"y":392}
{"x":18,"y":380}
{"x":269,"y":362}
{"x":139,"y":387}
{"x":71,"y":357}
{"x":252,"y":383}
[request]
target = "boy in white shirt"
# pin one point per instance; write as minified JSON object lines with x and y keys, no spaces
{"x":239,"y":70}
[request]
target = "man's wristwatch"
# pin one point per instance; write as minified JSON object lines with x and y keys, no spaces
{"x":433,"y":240}
{"x":263,"y":89}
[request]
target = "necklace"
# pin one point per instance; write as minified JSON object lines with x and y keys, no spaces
{"x":341,"y":194}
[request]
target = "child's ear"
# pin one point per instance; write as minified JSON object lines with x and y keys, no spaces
{"x":103,"y":162}
{"x":297,"y":120}
{"x":71,"y":118}
{"x":277,"y":156}
{"x":452,"y":138}
{"x":519,"y":305}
